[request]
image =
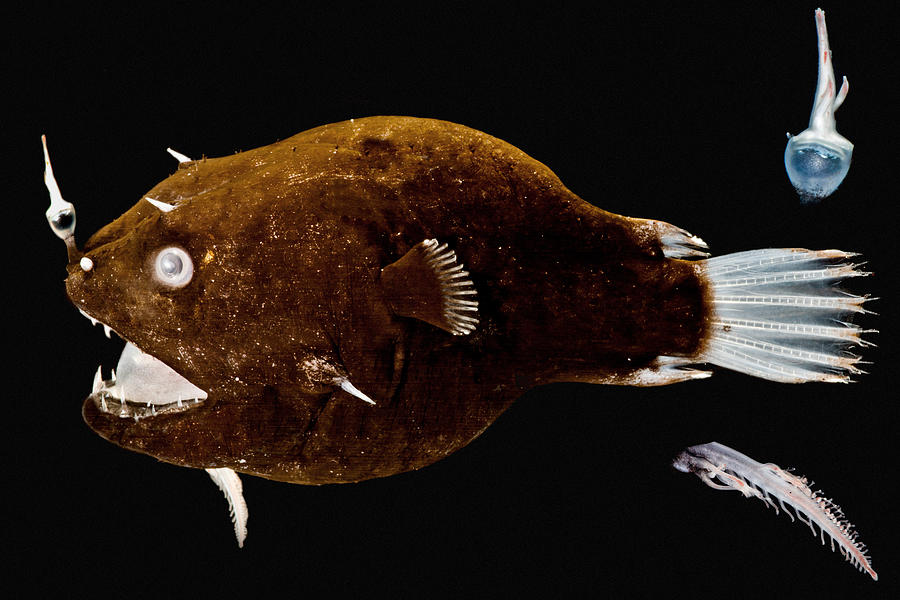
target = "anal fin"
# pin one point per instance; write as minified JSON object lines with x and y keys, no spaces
{"x":429,"y":284}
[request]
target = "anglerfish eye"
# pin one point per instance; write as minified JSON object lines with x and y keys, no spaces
{"x":173,"y":267}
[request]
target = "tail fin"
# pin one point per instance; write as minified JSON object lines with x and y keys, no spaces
{"x":777,"y":314}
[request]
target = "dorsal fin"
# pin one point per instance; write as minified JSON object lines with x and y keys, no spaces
{"x":428,"y":284}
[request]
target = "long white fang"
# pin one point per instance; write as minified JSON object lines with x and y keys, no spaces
{"x":178,"y":155}
{"x":107,"y":330}
{"x":351,"y":389}
{"x":163,"y":206}
{"x":98,"y":381}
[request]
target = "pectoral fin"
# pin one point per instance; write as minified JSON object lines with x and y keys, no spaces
{"x":428,"y":284}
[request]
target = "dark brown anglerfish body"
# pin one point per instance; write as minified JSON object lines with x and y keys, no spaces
{"x":337,"y":338}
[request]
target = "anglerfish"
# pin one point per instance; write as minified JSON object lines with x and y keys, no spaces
{"x":365,"y":298}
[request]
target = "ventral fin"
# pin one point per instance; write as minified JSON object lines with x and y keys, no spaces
{"x":429,"y":284}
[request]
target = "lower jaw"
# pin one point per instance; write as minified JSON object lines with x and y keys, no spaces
{"x":159,"y":436}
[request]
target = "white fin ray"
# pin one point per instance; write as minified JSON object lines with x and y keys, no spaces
{"x":768,"y":260}
{"x":736,"y":471}
{"x":848,"y":303}
{"x":230,"y":484}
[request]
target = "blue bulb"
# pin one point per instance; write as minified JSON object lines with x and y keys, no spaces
{"x":815,"y":170}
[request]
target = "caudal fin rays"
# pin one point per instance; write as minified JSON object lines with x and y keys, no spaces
{"x":778,"y":314}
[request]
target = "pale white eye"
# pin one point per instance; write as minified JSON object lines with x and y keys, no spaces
{"x":173,"y":267}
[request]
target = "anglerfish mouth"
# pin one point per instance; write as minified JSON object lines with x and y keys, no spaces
{"x":142,"y":386}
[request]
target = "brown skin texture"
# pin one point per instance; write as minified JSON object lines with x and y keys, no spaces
{"x":288,"y":242}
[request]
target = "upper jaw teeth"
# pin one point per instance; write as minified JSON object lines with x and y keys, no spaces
{"x":98,"y":381}
{"x":89,"y":317}
{"x":106,"y":328}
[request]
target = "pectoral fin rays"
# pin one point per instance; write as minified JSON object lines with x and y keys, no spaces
{"x":428,"y":284}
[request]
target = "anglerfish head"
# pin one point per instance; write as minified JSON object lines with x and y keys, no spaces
{"x":211,"y":331}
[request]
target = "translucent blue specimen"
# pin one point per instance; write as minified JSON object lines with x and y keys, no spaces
{"x":817,"y":160}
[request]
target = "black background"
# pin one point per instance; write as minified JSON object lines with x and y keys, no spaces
{"x":676,"y":113}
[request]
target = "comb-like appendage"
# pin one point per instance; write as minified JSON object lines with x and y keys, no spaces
{"x":724,"y":468}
